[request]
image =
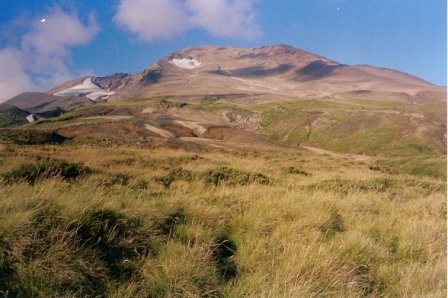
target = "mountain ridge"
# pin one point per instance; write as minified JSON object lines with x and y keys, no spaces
{"x":273,"y":70}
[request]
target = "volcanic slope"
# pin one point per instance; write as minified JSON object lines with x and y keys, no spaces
{"x":277,"y":69}
{"x":262,"y":72}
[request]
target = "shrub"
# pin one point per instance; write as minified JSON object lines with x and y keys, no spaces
{"x":229,"y":176}
{"x":30,"y":173}
{"x":293,"y":170}
{"x":344,"y":186}
{"x":30,"y":137}
{"x":175,"y":174}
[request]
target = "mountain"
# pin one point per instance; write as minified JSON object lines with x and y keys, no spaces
{"x":96,"y":89}
{"x":269,"y":70}
{"x":69,"y":95}
{"x":47,"y":105}
{"x":269,"y":95}
{"x":278,"y":70}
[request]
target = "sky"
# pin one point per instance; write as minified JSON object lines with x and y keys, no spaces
{"x":46,"y":42}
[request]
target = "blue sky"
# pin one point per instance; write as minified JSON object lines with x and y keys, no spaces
{"x":45,"y":42}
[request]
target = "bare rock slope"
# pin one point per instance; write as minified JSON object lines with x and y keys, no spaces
{"x":277,"y":69}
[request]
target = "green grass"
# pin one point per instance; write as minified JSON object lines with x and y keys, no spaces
{"x":50,"y":125}
{"x":301,"y":104}
{"x":354,"y":126}
{"x":212,"y":106}
{"x":362,"y":141}
{"x":420,"y":166}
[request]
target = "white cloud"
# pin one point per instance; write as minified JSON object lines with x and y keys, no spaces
{"x":156,"y":19}
{"x":13,"y":78}
{"x":152,"y":19}
{"x":224,"y":18}
{"x":40,"y":58}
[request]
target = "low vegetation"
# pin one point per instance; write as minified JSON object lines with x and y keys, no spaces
{"x":229,"y":176}
{"x":127,"y":222}
{"x":11,"y":116}
{"x":295,"y":171}
{"x":29,"y":137}
{"x":116,"y":211}
{"x":360,"y":127}
{"x":31,"y":173}
{"x":175,"y":174}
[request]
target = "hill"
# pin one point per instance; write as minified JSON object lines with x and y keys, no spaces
{"x":45,"y":104}
{"x":11,"y":116}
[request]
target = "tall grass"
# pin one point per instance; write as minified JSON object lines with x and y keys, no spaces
{"x":343,"y":229}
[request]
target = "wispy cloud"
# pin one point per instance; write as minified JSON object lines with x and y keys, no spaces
{"x":155,"y":19}
{"x":152,"y":19}
{"x":13,"y":78}
{"x":40,"y":56}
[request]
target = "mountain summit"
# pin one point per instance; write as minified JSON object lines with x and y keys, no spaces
{"x":275,"y":69}
{"x":219,"y":70}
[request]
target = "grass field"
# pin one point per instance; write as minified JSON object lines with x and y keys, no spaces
{"x":116,"y":211}
{"x":87,"y":220}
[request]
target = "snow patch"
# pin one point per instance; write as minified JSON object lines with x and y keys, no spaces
{"x":87,"y":89}
{"x":185,"y":63}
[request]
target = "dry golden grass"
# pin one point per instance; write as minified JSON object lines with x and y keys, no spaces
{"x":344,"y":230}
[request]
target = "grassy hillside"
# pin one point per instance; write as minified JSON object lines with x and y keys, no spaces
{"x":410,"y":138}
{"x":11,"y":116}
{"x":406,"y":137}
{"x":364,"y":127}
{"x":117,"y":211}
{"x":85,"y":220}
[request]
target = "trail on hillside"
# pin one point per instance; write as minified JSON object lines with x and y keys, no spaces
{"x":356,"y":157}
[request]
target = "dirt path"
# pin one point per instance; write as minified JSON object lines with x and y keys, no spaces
{"x":356,"y":157}
{"x":108,"y":117}
{"x":161,"y":132}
